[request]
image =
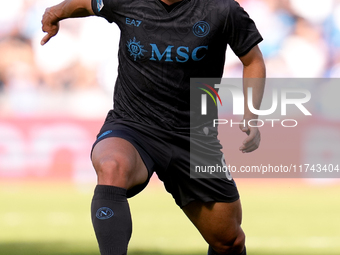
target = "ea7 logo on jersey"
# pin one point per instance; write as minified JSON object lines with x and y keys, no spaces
{"x":133,"y":22}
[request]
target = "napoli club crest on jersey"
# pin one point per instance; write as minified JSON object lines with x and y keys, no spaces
{"x":135,"y":48}
{"x":201,"y":29}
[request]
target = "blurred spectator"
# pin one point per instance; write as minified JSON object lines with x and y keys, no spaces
{"x":301,"y":40}
{"x":80,"y":64}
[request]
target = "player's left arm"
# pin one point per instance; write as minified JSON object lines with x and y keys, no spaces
{"x":254,"y":74}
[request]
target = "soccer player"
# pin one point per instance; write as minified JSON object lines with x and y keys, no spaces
{"x":163,"y":44}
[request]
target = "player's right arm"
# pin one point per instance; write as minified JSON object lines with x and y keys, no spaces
{"x":64,"y":10}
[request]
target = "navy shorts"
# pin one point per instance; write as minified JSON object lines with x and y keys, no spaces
{"x":168,"y":154}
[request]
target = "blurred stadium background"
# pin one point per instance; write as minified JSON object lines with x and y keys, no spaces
{"x":53,"y":100}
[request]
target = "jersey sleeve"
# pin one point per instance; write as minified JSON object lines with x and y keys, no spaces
{"x":104,"y":8}
{"x":242,"y":34}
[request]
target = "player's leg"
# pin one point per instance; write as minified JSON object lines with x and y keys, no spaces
{"x":118,"y":163}
{"x":119,"y":168}
{"x":220,"y":226}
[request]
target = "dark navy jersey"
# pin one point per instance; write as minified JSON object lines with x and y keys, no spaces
{"x":159,"y":51}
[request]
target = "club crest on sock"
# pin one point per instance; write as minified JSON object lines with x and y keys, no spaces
{"x":104,"y":213}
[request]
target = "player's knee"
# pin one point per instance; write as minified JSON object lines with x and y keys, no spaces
{"x":112,"y":171}
{"x":231,"y":245}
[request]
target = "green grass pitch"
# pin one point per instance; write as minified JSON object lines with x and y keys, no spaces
{"x":280,"y":217}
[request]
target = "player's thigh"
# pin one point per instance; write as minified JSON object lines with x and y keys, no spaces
{"x":118,"y":163}
{"x":217,"y":222}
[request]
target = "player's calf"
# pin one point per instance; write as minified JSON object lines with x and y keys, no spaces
{"x":118,"y":167}
{"x":220,"y":225}
{"x":111,"y":219}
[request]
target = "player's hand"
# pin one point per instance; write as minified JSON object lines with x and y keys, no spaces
{"x":50,"y":25}
{"x":252,"y":142}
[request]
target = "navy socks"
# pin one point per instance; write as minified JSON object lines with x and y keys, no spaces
{"x":111,"y":219}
